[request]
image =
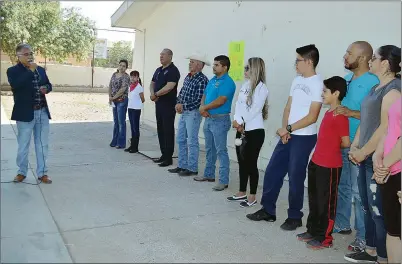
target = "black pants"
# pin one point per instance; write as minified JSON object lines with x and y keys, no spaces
{"x":134,"y":118}
{"x":391,"y":205}
{"x":165,"y":115}
{"x":248,"y":165}
{"x":322,"y":197}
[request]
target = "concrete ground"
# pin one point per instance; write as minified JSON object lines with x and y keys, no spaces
{"x":106,"y":205}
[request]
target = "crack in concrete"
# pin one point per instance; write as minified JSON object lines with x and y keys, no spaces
{"x":148,"y":221}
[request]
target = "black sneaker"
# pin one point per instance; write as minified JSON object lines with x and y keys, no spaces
{"x":261,"y":215}
{"x":158,"y":160}
{"x":247,"y":203}
{"x":316,"y":245}
{"x":291,"y":224}
{"x":305,"y":237}
{"x":175,"y":170}
{"x":360,"y":257}
{"x":345,"y":231}
{"x":188,"y":173}
{"x":237,"y":198}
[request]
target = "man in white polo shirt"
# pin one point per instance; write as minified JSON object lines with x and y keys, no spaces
{"x":298,"y":138}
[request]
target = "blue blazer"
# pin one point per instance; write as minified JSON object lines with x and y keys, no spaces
{"x":20,"y":79}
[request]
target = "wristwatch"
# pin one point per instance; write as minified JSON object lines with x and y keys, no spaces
{"x":289,"y":128}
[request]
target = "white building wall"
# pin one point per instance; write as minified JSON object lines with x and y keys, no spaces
{"x":271,"y":30}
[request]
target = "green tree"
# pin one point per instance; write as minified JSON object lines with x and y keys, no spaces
{"x":120,"y":50}
{"x":54,"y":32}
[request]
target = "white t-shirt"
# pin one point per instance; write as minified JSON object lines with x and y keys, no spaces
{"x":134,"y":99}
{"x":304,"y":91}
{"x":252,"y":114}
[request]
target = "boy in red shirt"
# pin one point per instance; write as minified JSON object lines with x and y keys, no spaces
{"x":325,"y":168}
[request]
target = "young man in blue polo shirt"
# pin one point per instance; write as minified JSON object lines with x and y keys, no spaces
{"x":360,"y":81}
{"x":216,"y":105}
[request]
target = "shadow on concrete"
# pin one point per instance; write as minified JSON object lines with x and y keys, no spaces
{"x":106,"y":205}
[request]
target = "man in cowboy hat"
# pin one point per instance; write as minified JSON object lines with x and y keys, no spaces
{"x":188,"y":103}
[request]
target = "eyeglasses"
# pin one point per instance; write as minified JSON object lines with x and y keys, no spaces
{"x":26,"y":54}
{"x":246,"y":68}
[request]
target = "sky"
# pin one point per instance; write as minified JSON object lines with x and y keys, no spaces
{"x":100,"y":12}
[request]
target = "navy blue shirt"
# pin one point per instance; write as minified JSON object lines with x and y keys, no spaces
{"x":161,"y":77}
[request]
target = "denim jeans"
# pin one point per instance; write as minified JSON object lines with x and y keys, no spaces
{"x":292,"y":159}
{"x":187,"y":140}
{"x":40,"y":128}
{"x":216,"y":136}
{"x":348,"y":192}
{"x":372,"y":206}
{"x":119,"y":119}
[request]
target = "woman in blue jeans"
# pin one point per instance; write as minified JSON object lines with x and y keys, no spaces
{"x":118,"y":90}
{"x":373,"y":125}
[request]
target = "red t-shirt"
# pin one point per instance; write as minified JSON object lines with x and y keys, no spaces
{"x":328,"y":149}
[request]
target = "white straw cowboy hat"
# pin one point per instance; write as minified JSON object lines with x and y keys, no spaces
{"x":199,"y":57}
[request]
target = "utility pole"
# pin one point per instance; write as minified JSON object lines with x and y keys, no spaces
{"x":93,"y":59}
{"x":93,"y":63}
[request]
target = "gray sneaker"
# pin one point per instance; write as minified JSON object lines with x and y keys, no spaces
{"x":357,"y":245}
{"x":220,"y":187}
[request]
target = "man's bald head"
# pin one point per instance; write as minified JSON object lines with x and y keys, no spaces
{"x":364,"y":48}
{"x":358,"y":55}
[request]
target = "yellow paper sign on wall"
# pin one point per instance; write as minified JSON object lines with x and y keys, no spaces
{"x":236,"y":56}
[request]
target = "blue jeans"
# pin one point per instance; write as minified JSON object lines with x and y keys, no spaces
{"x":40,"y":128}
{"x":187,"y":140}
{"x":216,"y":136}
{"x":372,"y":206}
{"x":119,"y":119}
{"x":134,"y":118}
{"x":292,"y":159}
{"x":348,"y":191}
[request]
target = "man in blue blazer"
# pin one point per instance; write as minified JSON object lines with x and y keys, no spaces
{"x":29,"y":84}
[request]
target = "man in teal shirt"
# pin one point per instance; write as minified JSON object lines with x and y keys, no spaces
{"x":216,"y":105}
{"x":360,"y":82}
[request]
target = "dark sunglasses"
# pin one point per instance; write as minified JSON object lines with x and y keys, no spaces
{"x":246,"y":68}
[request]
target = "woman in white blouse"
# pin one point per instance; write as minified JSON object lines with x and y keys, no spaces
{"x":250,"y":113}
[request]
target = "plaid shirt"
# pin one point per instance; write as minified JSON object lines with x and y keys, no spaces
{"x":192,"y":91}
{"x":39,"y":97}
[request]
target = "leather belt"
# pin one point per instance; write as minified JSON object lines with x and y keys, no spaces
{"x":218,"y":115}
{"x":38,"y":107}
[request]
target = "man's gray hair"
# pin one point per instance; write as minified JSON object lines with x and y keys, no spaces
{"x":169,"y":51}
{"x":22,"y":46}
